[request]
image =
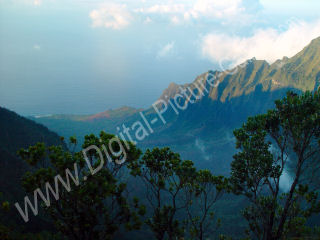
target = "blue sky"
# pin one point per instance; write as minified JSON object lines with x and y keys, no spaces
{"x":86,"y":56}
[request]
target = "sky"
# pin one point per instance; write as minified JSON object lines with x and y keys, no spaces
{"x":87,"y":56}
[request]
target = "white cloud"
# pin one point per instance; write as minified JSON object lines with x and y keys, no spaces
{"x":268,"y":44}
{"x":115,"y":16}
{"x":216,"y":8}
{"x":175,"y":20}
{"x":163,"y":8}
{"x":178,"y":12}
{"x":37,"y":2}
{"x":147,"y":20}
{"x":36,"y":47}
{"x":196,"y":9}
{"x":163,"y":52}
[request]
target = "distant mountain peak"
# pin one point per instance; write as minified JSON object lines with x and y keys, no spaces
{"x":113,"y":113}
{"x":302,"y":71}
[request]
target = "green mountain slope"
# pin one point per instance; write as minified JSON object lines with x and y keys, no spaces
{"x":302,"y":72}
{"x":18,"y":132}
{"x":80,"y":125}
{"x":245,"y":90}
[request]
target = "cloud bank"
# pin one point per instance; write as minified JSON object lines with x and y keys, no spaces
{"x":118,"y":16}
{"x":114,"y":16}
{"x":196,"y":9}
{"x":268,"y":44}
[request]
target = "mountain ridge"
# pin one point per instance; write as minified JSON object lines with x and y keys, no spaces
{"x":295,"y":72}
{"x":19,"y":132}
{"x":246,"y":90}
{"x":122,"y":112}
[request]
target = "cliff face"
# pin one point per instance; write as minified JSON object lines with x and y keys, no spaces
{"x":233,"y":95}
{"x":302,"y":72}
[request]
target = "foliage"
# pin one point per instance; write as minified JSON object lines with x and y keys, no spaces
{"x":203,"y":192}
{"x":285,"y":139}
{"x":177,"y":194}
{"x":95,"y":209}
{"x":164,"y":175}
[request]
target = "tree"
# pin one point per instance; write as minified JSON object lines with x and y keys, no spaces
{"x":181,"y":198}
{"x":284,"y":139}
{"x":96,"y":206}
{"x":165,"y":176}
{"x":202,"y":193}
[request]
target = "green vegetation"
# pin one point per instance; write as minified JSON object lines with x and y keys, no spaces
{"x":293,"y":129}
{"x":158,"y":195}
{"x":180,"y":198}
{"x":174,"y":188}
{"x":18,"y":132}
{"x":97,"y":205}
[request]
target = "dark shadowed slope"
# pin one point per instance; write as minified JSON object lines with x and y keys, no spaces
{"x":17,"y":132}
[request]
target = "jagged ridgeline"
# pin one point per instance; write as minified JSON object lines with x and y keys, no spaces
{"x":246,"y":90}
{"x":302,"y":72}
